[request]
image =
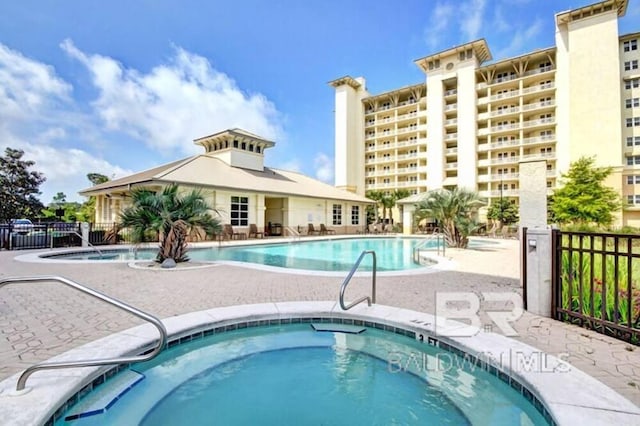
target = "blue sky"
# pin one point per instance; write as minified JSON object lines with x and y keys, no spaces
{"x":121,"y":86}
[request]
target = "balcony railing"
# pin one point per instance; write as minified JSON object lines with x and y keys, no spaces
{"x":450,"y":136}
{"x":539,"y":122}
{"x":450,"y":166}
{"x":450,"y":107}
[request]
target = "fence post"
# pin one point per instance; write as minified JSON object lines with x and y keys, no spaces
{"x":536,"y":259}
{"x":85,"y":234}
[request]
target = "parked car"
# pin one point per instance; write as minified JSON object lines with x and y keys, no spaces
{"x":21,"y":226}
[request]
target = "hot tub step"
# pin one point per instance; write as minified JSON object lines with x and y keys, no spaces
{"x":100,"y":400}
{"x":338,"y":328}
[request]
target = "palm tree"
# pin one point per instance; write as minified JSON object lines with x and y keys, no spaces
{"x":376,"y":196}
{"x":172,"y":216}
{"x":453,"y":209}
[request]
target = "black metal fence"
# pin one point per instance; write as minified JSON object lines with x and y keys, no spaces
{"x":58,"y":234}
{"x":61,"y":234}
{"x":596,"y":282}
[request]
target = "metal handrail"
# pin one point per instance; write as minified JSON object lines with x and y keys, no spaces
{"x":86,"y":240}
{"x":346,"y":281}
{"x":295,"y":235}
{"x":97,"y":362}
{"x":438,"y":236}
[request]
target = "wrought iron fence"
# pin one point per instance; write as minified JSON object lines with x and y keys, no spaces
{"x":596,"y":282}
{"x":62,"y":234}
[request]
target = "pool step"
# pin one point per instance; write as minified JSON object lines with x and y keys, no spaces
{"x":100,"y":400}
{"x":337,"y":328}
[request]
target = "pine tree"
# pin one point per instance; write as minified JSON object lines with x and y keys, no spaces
{"x":584,"y":198}
{"x":19,"y":186}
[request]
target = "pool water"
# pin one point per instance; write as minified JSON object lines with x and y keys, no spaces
{"x":294,"y":375}
{"x":393,"y":254}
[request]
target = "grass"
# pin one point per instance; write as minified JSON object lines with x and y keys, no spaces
{"x":601,"y":279}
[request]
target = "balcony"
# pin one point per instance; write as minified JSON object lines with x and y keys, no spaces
{"x":538,"y":105}
{"x":499,"y":144}
{"x":504,"y":111}
{"x":538,"y":71}
{"x":538,"y":88}
{"x":504,"y":160}
{"x":450,"y":136}
{"x":451,"y":122}
{"x":540,"y":155}
{"x":506,"y":95}
{"x":450,"y":151}
{"x":539,"y":139}
{"x":451,"y":166}
{"x":504,"y":176}
{"x":450,"y":92}
{"x":505,"y":79}
{"x":451,"y":107}
{"x":503,"y":127}
{"x":540,"y":122}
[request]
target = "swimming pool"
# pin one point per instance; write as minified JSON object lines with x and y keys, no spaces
{"x":561,"y":392}
{"x":294,"y":374}
{"x":393,"y":254}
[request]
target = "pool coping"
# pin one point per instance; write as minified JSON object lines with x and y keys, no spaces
{"x":438,"y":263}
{"x":568,"y":394}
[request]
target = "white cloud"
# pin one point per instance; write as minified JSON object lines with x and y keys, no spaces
{"x":292,"y":164}
{"x":471,"y":24}
{"x":324,"y":168}
{"x":175,"y":103}
{"x":27,"y":87}
{"x":519,"y":39}
{"x":66,"y":169}
{"x":37,"y":116}
{"x":439,"y":21}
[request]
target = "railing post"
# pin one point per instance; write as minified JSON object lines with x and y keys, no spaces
{"x":22,"y":380}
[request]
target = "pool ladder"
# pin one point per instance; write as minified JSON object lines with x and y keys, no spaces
{"x":346,"y":281}
{"x":438,"y":237}
{"x":22,"y":380}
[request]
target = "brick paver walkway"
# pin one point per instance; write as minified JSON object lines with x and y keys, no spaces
{"x":38,"y":321}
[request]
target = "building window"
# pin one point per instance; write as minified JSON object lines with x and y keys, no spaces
{"x":633,"y":83}
{"x":355,"y":215}
{"x":633,"y":199}
{"x":630,"y":45}
{"x":634,"y":160}
{"x":633,"y":179}
{"x":633,"y":141}
{"x":632,"y":122}
{"x":337,"y":214}
{"x":239,"y":211}
{"x":632,"y":103}
{"x":631,"y":65}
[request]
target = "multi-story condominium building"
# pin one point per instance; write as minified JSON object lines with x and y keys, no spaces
{"x":473,"y":120}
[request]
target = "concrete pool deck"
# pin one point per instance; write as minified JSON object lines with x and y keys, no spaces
{"x":38,"y":321}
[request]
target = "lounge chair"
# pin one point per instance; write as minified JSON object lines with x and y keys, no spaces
{"x":325,"y":231}
{"x":388,"y":228}
{"x":311,"y":230}
{"x":254,"y":233}
{"x":232,"y":235}
{"x":373,"y":229}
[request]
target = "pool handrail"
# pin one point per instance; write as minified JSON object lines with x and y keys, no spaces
{"x":97,"y":362}
{"x":438,"y":236}
{"x":346,"y":281}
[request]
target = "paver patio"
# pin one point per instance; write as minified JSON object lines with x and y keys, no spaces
{"x":38,"y":321}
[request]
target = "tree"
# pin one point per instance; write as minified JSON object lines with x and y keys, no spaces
{"x":453,"y":209}
{"x":19,"y":186}
{"x":172,"y":216}
{"x":503,"y":211}
{"x":71,"y":210}
{"x":584,"y":199}
{"x":97,"y":178}
{"x":376,"y":196}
